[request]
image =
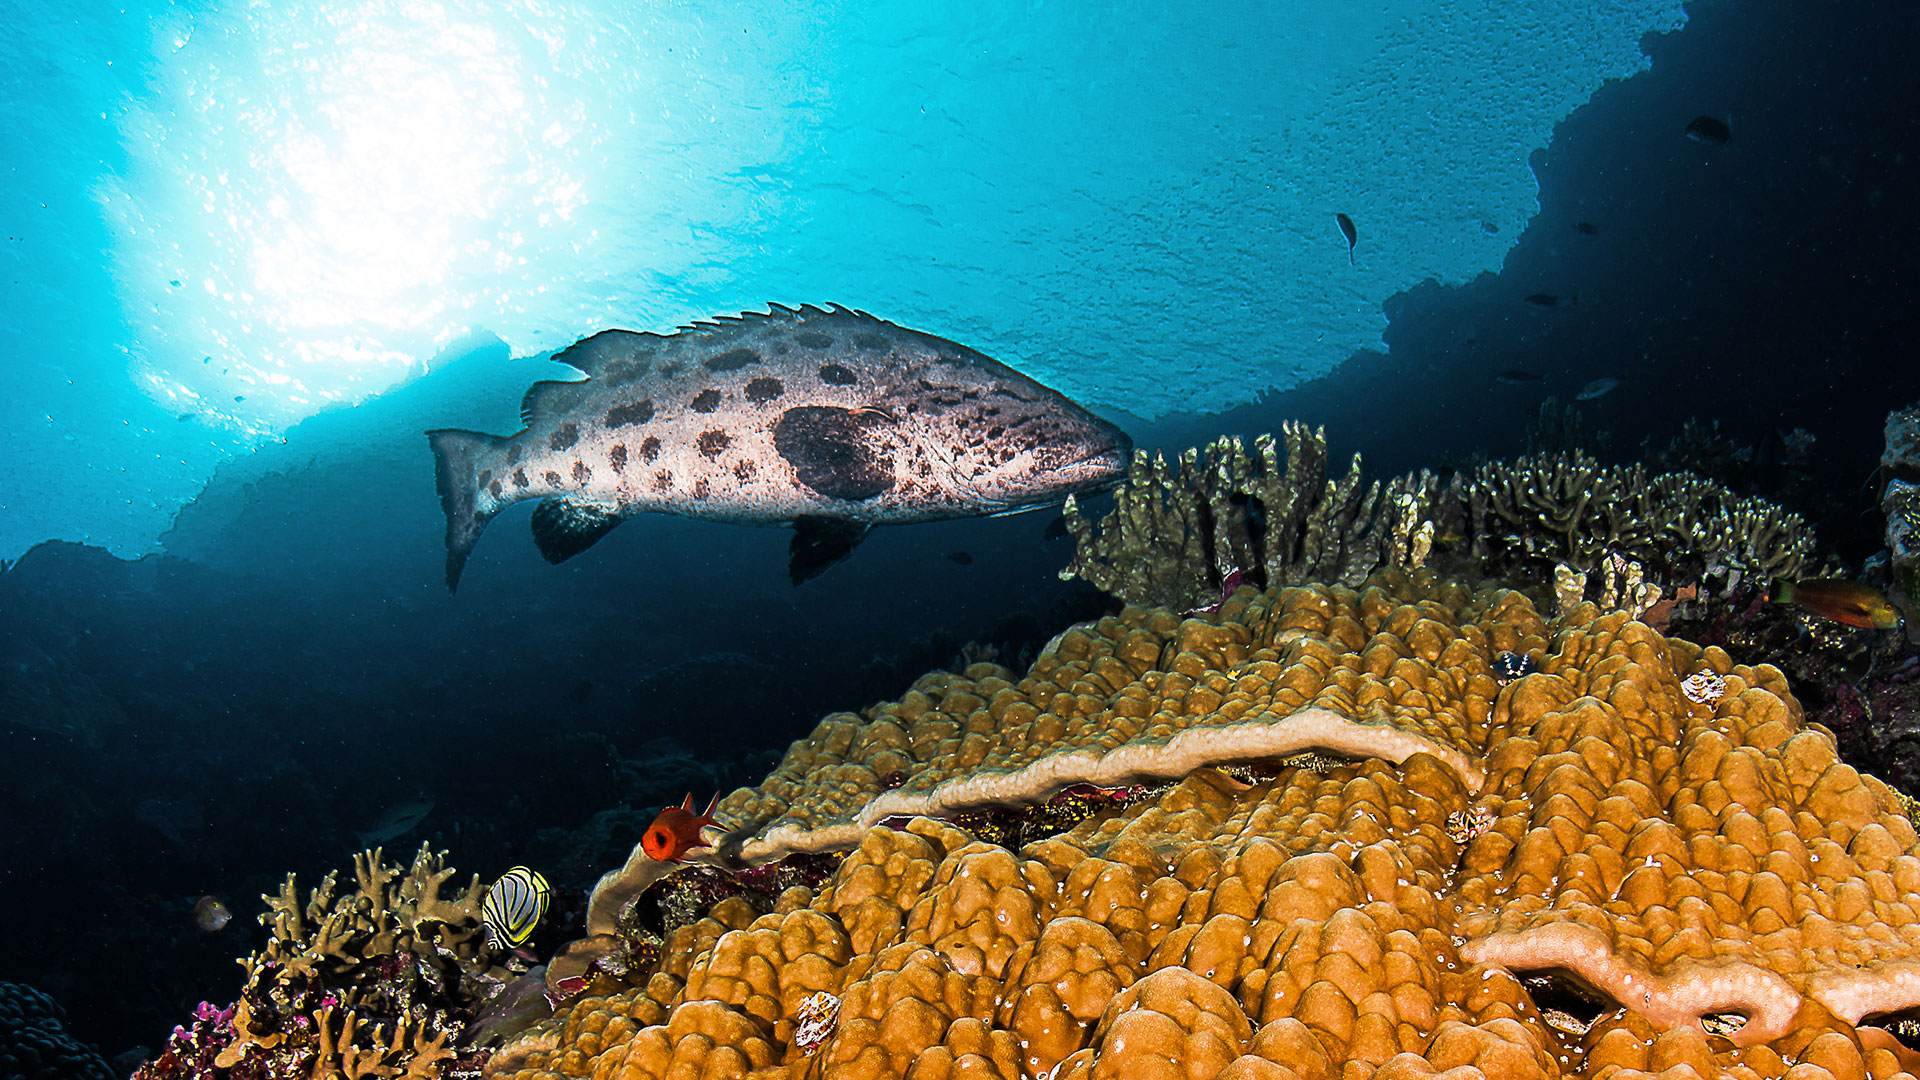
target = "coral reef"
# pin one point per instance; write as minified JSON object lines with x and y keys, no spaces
{"x":1622,"y":534}
{"x":1178,"y":532}
{"x":34,"y":1044}
{"x":372,"y":982}
{"x":1582,"y":872}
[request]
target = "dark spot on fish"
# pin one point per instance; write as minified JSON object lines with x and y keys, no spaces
{"x":617,"y":457}
{"x":670,"y":368}
{"x":869,"y":341}
{"x":495,"y":488}
{"x":552,"y":477}
{"x":649,"y":449}
{"x":486,"y":477}
{"x":829,"y":453}
{"x":745,"y":469}
{"x":732,"y":360}
{"x":711,"y":443}
{"x":764,"y":389}
{"x":835,"y":375}
{"x":700,"y":488}
{"x":812,"y":339}
{"x":581,"y":474}
{"x":961,"y":557}
{"x":564,"y":436}
{"x":513,"y":454}
{"x":519,"y":478}
{"x":663,"y":480}
{"x":706,"y":400}
{"x":635,"y":412}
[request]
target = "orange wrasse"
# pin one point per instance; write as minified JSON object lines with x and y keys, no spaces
{"x":1846,"y":602}
{"x":677,"y":830}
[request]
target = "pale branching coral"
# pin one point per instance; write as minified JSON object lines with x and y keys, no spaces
{"x":1179,"y":532}
{"x":1580,"y":873}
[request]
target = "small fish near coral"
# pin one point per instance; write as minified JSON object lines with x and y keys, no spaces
{"x":210,"y":915}
{"x":828,"y":420}
{"x":677,"y":830}
{"x":514,"y":906}
{"x":1847,"y":602}
{"x":1710,"y":130}
{"x":1599,"y":388}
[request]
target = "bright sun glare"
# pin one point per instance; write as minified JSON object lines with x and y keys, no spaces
{"x":337,"y":193}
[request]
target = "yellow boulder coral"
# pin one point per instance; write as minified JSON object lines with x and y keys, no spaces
{"x":1650,"y":886}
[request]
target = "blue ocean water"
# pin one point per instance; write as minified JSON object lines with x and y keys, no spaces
{"x":253,"y":251}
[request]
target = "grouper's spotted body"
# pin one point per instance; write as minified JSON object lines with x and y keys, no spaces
{"x":831,"y":420}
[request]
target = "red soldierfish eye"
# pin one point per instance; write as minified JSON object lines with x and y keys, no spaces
{"x":658,"y":843}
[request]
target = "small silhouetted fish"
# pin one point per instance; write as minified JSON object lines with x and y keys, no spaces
{"x":1586,"y":228}
{"x":1709,"y":129}
{"x":175,"y":284}
{"x":1056,"y":529}
{"x":239,"y":397}
{"x":210,"y":915}
{"x":580,"y":691}
{"x":398,"y":821}
{"x":1599,"y":388}
{"x":1543,"y":301}
{"x":1347,"y":230}
{"x":961,"y":557}
{"x":1517,"y":377}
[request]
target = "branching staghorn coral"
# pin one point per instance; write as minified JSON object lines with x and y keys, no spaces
{"x":361,"y":983}
{"x":1180,"y":531}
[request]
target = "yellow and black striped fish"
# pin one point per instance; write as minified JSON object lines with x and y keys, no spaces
{"x":514,"y":906}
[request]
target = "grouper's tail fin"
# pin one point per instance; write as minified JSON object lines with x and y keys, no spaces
{"x":456,"y":457}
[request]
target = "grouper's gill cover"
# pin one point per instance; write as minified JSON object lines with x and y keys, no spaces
{"x":830,"y":420}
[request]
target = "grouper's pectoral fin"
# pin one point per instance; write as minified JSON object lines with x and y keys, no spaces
{"x":819,"y":542}
{"x":563,"y":528}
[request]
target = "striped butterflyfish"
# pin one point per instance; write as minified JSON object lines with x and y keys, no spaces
{"x":513,"y":907}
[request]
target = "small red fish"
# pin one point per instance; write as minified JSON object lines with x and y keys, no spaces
{"x":1846,"y":602}
{"x":677,"y":830}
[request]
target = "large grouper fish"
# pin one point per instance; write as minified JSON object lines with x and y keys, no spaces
{"x":829,"y":420}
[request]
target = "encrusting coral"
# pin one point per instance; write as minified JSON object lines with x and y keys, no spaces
{"x":1581,"y":871}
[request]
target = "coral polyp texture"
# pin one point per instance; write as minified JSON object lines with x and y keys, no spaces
{"x":1580,"y":873}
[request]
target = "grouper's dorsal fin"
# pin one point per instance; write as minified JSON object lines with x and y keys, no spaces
{"x":609,"y":349}
{"x":563,"y":528}
{"x":551,"y":395}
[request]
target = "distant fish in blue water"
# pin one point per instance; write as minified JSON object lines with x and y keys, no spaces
{"x":962,"y":558}
{"x":1710,"y":130}
{"x":1347,"y":230}
{"x":1517,"y":377}
{"x":514,"y":907}
{"x":399,"y":819}
{"x":1545,"y":301}
{"x":1599,"y":388}
{"x":831,"y":421}
{"x":1586,"y":228}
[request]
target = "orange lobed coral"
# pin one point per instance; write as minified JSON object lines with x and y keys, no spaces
{"x":1580,"y":873}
